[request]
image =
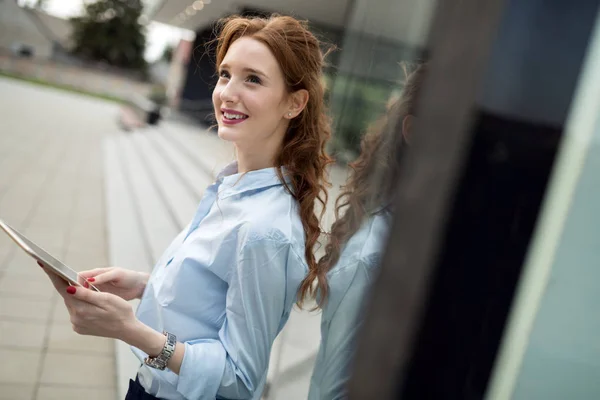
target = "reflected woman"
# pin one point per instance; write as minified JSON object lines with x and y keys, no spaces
{"x":356,"y":242}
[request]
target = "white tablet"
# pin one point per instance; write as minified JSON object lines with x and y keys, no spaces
{"x":51,"y":263}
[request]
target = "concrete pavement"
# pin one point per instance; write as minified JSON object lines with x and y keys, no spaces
{"x":51,"y":188}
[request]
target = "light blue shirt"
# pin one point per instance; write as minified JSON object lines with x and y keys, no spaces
{"x":225,"y":288}
{"x":349,"y":280}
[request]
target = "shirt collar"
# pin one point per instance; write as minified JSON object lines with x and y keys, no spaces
{"x":232,"y":182}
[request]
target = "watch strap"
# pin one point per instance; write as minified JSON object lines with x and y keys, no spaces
{"x":161,"y":360}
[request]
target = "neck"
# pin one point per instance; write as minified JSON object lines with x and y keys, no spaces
{"x":254,"y":157}
{"x":252,"y":162}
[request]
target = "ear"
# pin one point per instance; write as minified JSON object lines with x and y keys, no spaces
{"x":297,"y":103}
{"x":407,"y":127}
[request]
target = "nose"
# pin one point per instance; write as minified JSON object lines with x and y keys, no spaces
{"x":229,"y":93}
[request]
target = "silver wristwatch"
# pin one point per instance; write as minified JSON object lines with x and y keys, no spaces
{"x":161,"y":360}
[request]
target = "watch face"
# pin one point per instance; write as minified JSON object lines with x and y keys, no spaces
{"x":154,"y":363}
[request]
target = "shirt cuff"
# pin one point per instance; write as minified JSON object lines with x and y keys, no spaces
{"x":202,"y":369}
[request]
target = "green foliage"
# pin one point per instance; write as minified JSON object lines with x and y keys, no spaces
{"x":110,"y":32}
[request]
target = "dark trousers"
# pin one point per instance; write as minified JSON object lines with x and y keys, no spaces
{"x":136,"y":391}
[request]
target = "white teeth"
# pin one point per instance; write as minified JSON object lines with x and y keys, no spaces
{"x":234,"y":116}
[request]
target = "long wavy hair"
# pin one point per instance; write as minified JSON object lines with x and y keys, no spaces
{"x":302,"y":157}
{"x":370,"y":187}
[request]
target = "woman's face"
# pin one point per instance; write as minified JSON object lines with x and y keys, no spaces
{"x":250,"y":99}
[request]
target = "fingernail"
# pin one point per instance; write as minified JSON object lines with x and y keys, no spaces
{"x":91,"y":279}
{"x":71,"y":289}
{"x":86,"y":285}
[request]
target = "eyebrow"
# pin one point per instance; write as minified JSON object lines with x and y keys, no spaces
{"x":250,"y":70}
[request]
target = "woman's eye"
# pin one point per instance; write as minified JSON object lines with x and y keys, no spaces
{"x":224,"y":74}
{"x":253,"y":79}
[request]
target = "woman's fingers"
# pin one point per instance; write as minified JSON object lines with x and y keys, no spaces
{"x":94,"y":272}
{"x":90,"y":297}
{"x":106,"y":277}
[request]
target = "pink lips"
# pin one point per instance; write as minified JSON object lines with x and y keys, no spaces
{"x":231,"y":121}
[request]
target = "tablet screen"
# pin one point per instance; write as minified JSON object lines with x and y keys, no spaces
{"x":45,"y":257}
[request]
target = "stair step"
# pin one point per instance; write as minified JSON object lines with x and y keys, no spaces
{"x":207,"y":151}
{"x":158,"y":227}
{"x":195,"y":177}
{"x":180,"y":202}
{"x":125,"y":244}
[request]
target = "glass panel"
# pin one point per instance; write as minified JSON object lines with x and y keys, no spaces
{"x":372,"y":105}
{"x":368,"y":74}
{"x":551,"y":349}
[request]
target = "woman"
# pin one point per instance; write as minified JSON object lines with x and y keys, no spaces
{"x":224,"y":288}
{"x":356,"y":241}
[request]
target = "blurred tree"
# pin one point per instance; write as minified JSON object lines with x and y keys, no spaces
{"x":110,"y":31}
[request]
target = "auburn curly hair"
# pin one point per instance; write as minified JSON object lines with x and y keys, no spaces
{"x":302,"y":155}
{"x":370,"y":186}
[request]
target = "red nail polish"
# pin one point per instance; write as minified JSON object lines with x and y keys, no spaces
{"x":71,"y":289}
{"x":86,"y":285}
{"x":91,"y":279}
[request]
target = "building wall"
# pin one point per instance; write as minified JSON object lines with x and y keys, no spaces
{"x":17,"y":28}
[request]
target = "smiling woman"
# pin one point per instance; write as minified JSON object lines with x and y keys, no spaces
{"x":269,"y":101}
{"x":252,"y":104}
{"x":224,"y":288}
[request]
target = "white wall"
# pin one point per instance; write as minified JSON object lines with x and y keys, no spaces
{"x":17,"y":28}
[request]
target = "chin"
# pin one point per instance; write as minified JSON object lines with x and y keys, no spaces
{"x":228,"y":134}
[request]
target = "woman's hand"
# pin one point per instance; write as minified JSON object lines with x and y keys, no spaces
{"x":125,"y":283}
{"x":96,"y":313}
{"x":107,"y":315}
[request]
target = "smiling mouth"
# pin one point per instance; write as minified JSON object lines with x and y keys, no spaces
{"x":233,"y":117}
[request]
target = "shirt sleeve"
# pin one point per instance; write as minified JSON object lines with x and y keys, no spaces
{"x":331,"y":374}
{"x":234,"y":366}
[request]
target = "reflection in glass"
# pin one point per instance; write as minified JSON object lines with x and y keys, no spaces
{"x":363,"y":215}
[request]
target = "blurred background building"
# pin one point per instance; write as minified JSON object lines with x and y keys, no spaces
{"x":32,"y":32}
{"x":362,"y":74}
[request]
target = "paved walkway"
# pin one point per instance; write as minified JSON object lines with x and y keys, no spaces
{"x":51,"y":188}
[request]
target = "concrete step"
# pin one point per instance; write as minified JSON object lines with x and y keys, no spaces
{"x":126,"y":246}
{"x":203,"y":149}
{"x":179,"y":201}
{"x":196,"y":180}
{"x":157,"y":225}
